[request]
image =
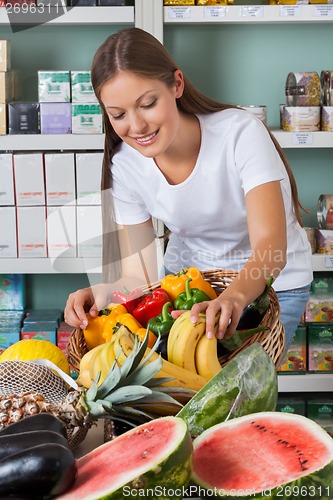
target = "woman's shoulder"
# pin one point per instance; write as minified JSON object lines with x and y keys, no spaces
{"x":228,"y":116}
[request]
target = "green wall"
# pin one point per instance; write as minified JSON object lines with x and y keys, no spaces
{"x":239,"y":64}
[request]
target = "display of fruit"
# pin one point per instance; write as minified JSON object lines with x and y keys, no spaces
{"x":178,"y":377}
{"x":265,"y":455}
{"x":155,"y":456}
{"x":29,"y":349}
{"x":35,"y":461}
{"x":120,"y":395}
{"x":247,"y":384}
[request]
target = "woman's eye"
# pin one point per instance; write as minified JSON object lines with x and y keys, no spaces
{"x":150,"y":105}
{"x":117,"y":117}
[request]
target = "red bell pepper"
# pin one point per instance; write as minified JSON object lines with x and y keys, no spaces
{"x":128,"y":299}
{"x":150,"y":306}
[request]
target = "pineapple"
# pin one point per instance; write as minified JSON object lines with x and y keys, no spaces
{"x":128,"y":392}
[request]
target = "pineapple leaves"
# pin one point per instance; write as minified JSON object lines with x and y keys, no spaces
{"x":111,"y":380}
{"x":128,"y":393}
{"x":144,"y":372}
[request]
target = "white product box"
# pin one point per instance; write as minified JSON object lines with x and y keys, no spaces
{"x":4,"y":55}
{"x":89,"y":231}
{"x":6,"y":180}
{"x":8,"y":240}
{"x":61,"y":231}
{"x":81,"y":87}
{"x":88,"y":178}
{"x":54,"y":86}
{"x":59,"y":178}
{"x":3,"y":119}
{"x":29,"y":179}
{"x":31,"y":232}
{"x":86,"y":118}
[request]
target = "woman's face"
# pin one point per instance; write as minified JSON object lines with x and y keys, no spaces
{"x":143,"y":111}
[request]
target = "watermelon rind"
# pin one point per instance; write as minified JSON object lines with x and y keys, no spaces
{"x":318,"y":484}
{"x":247,"y":384}
{"x":165,"y":476}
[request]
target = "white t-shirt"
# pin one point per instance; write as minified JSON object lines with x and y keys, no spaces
{"x":206,"y":213}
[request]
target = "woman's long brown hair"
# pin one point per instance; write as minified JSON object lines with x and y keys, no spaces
{"x":135,"y":50}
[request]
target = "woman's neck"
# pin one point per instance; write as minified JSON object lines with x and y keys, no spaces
{"x":178,"y":162}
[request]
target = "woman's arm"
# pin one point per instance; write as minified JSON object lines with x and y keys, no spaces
{"x":139,"y":266}
{"x":267,"y":232}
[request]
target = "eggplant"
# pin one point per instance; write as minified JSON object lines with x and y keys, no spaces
{"x":12,"y":443}
{"x":253,"y":314}
{"x":40,"y":421}
{"x":42,"y":470}
{"x":162,"y":345}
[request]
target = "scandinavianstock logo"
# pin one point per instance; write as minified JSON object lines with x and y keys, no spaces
{"x":26,"y":14}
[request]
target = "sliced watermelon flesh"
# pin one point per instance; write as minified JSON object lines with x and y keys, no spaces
{"x":260,"y":452}
{"x":127,"y":457}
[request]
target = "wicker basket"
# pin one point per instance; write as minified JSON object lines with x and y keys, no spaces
{"x":273,"y":340}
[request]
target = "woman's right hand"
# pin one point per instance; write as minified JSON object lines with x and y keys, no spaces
{"x":91,"y":300}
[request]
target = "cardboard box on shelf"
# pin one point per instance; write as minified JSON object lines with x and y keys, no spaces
{"x":29,"y":179}
{"x":319,"y":307}
{"x":295,"y":358}
{"x":61,"y":231}
{"x":320,"y":409}
{"x":88,"y":177}
{"x":7,"y":197}
{"x":11,"y":292}
{"x":31,"y":232}
{"x":291,"y":404}
{"x":59,"y":178}
{"x":320,"y":347}
{"x":8,"y":238}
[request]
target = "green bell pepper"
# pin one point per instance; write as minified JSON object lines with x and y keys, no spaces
{"x":163,"y":322}
{"x":185,"y":300}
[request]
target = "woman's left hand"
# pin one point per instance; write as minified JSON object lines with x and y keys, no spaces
{"x":229,"y":312}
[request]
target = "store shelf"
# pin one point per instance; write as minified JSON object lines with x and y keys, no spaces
{"x":311,"y":382}
{"x":248,"y":14}
{"x":303,"y":139}
{"x":48,"y":142}
{"x":96,"y":141}
{"x":322,"y":262}
{"x":51,"y":266}
{"x":72,"y":15}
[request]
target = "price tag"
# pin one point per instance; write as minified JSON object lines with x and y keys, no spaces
{"x":290,"y":11}
{"x":328,"y":262}
{"x":252,"y":11}
{"x":179,"y":12}
{"x":302,"y":138}
{"x":212,"y":12}
{"x":323,"y":10}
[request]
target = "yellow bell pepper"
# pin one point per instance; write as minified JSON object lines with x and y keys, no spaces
{"x":124,"y":318}
{"x":174,"y":284}
{"x":93,"y":334}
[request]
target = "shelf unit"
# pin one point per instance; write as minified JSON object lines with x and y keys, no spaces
{"x":249,"y":14}
{"x":310,"y":382}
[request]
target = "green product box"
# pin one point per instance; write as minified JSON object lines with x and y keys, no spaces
{"x":294,"y":360}
{"x":319,"y":307}
{"x":321,"y":411}
{"x":291,"y":405}
{"x":320,"y":347}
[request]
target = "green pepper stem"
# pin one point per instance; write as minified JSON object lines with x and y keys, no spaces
{"x":188,"y":289}
{"x":164,"y":313}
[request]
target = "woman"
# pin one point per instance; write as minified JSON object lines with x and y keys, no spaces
{"x":211,"y":172}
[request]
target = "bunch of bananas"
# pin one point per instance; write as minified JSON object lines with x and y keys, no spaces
{"x":189,"y":348}
{"x":102,"y":357}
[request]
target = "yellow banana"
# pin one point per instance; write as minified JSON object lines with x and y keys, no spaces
{"x":206,"y":359}
{"x":95,"y":365}
{"x":84,"y":378}
{"x":181,"y":377}
{"x":85,"y":360}
{"x":104,"y":361}
{"x":184,"y":339}
{"x":123,"y":341}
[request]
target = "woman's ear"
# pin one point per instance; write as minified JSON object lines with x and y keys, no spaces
{"x":179,"y":83}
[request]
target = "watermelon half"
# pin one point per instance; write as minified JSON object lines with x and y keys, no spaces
{"x":265,"y":455}
{"x":152,"y":460}
{"x":247,"y":384}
